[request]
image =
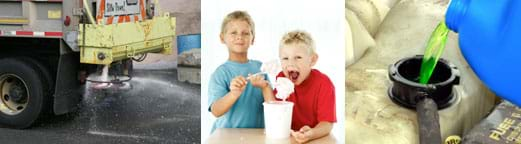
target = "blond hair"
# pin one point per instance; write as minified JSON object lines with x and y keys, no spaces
{"x":299,"y":37}
{"x":238,"y":15}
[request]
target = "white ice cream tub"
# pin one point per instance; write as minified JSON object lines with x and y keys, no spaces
{"x":277,"y":119}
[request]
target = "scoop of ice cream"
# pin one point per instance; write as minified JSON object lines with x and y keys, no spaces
{"x":284,"y":88}
{"x":271,"y":67}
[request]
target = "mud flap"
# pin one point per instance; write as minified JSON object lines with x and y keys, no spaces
{"x":67,"y":95}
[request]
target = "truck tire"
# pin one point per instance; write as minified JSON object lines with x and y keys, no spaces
{"x":46,"y":75}
{"x":23,"y":93}
{"x":48,"y":84}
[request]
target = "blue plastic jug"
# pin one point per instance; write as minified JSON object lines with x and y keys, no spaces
{"x":490,"y":40}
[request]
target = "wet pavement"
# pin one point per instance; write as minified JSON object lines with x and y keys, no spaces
{"x":158,"y":109}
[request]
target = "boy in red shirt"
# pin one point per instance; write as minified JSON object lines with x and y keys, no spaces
{"x":314,"y":94}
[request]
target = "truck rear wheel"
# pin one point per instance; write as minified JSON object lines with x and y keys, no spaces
{"x":23,"y":90}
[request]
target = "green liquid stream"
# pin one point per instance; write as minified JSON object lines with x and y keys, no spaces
{"x":433,"y":51}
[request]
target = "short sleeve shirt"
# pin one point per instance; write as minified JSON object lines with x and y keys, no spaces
{"x":314,"y":101}
{"x":247,"y":111}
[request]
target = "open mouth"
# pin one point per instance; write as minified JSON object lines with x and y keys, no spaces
{"x":293,"y":75}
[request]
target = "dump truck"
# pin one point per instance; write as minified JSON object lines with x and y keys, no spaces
{"x":49,"y":49}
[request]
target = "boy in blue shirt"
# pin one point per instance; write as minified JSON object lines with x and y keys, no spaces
{"x":235,"y":95}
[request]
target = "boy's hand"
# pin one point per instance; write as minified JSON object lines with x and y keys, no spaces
{"x":238,"y":85}
{"x":258,"y":81}
{"x":303,"y":135}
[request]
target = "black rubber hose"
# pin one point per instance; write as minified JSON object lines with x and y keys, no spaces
{"x":428,"y":122}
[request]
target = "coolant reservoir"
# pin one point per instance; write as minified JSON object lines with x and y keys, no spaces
{"x":363,"y":18}
{"x":371,"y":116}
